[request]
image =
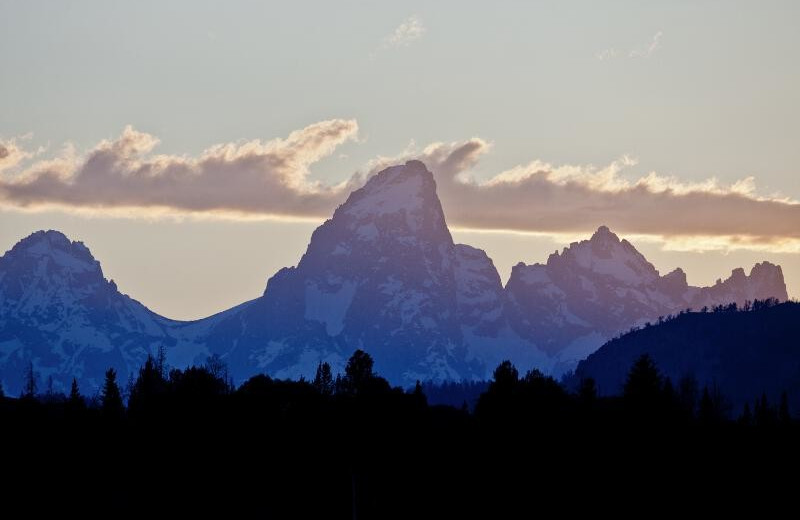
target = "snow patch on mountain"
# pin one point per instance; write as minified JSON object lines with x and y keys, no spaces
{"x":393,"y":190}
{"x":329,"y":304}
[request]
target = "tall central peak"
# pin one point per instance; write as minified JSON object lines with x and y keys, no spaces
{"x":396,"y":214}
{"x":409,"y":187}
{"x":398,"y":203}
{"x":380,"y":274}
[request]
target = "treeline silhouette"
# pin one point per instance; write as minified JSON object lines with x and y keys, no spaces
{"x":350,"y":445}
{"x":742,"y":353}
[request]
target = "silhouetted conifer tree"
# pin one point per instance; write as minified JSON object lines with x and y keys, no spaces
{"x":323,"y":380}
{"x":505,"y":376}
{"x":500,"y":399}
{"x":358,"y":373}
{"x":75,"y":397}
{"x":643,"y":386}
{"x":30,"y":382}
{"x":713,"y":407}
{"x":764,"y":413}
{"x":149,"y":388}
{"x":110,"y":396}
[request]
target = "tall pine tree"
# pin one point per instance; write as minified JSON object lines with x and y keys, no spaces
{"x":323,"y":380}
{"x":110,"y":396}
{"x":30,"y":382}
{"x":75,"y":397}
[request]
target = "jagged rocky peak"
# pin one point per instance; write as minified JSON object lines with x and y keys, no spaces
{"x":383,"y":274}
{"x":605,"y":254}
{"x":409,"y":188}
{"x":765,"y":281}
{"x":47,"y":268}
{"x":770,"y":277}
{"x":56,"y":250}
{"x":677,"y":276}
{"x":604,"y":236}
{"x":397,"y":208}
{"x":400,"y":198}
{"x":59,"y":312}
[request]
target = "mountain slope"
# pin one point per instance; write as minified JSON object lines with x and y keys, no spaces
{"x":384,"y":275}
{"x":744,"y":353}
{"x":59,"y":312}
{"x":599,"y":287}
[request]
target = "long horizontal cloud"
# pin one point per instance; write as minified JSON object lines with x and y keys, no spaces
{"x":542,"y":197}
{"x":253,"y":177}
{"x":271,"y":178}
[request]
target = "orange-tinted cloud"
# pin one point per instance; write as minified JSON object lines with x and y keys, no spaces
{"x":541,"y":197}
{"x":257,"y":179}
{"x":252,"y":177}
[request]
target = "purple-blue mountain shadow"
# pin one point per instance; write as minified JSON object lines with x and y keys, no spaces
{"x":383,"y":275}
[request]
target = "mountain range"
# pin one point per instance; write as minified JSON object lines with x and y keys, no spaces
{"x":383,"y":274}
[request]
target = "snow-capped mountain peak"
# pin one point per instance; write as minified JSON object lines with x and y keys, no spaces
{"x":605,"y":254}
{"x":400,"y":200}
{"x":602,"y":286}
{"x":59,"y":253}
{"x":398,"y":188}
{"x":59,"y":313}
{"x":380,"y":274}
{"x":383,"y":274}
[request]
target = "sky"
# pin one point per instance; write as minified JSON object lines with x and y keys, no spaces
{"x":194,"y":146}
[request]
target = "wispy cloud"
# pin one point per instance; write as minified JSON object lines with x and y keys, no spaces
{"x":406,"y":33}
{"x":644,"y":51}
{"x":270,"y":179}
{"x":607,"y":54}
{"x":647,"y":51}
{"x":12,"y":153}
{"x":409,"y":31}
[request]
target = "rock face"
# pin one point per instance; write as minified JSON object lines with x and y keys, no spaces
{"x":599,"y":287}
{"x":58,"y":312}
{"x":383,"y":275}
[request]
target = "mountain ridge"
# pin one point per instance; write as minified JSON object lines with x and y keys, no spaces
{"x":742,"y":353}
{"x":598,"y":287}
{"x":382,"y":274}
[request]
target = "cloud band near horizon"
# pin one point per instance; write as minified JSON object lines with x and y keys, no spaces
{"x":258,"y":179}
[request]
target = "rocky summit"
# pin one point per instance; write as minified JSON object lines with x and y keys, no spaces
{"x":382,"y":274}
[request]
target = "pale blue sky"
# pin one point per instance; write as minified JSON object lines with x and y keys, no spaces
{"x":717,"y":96}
